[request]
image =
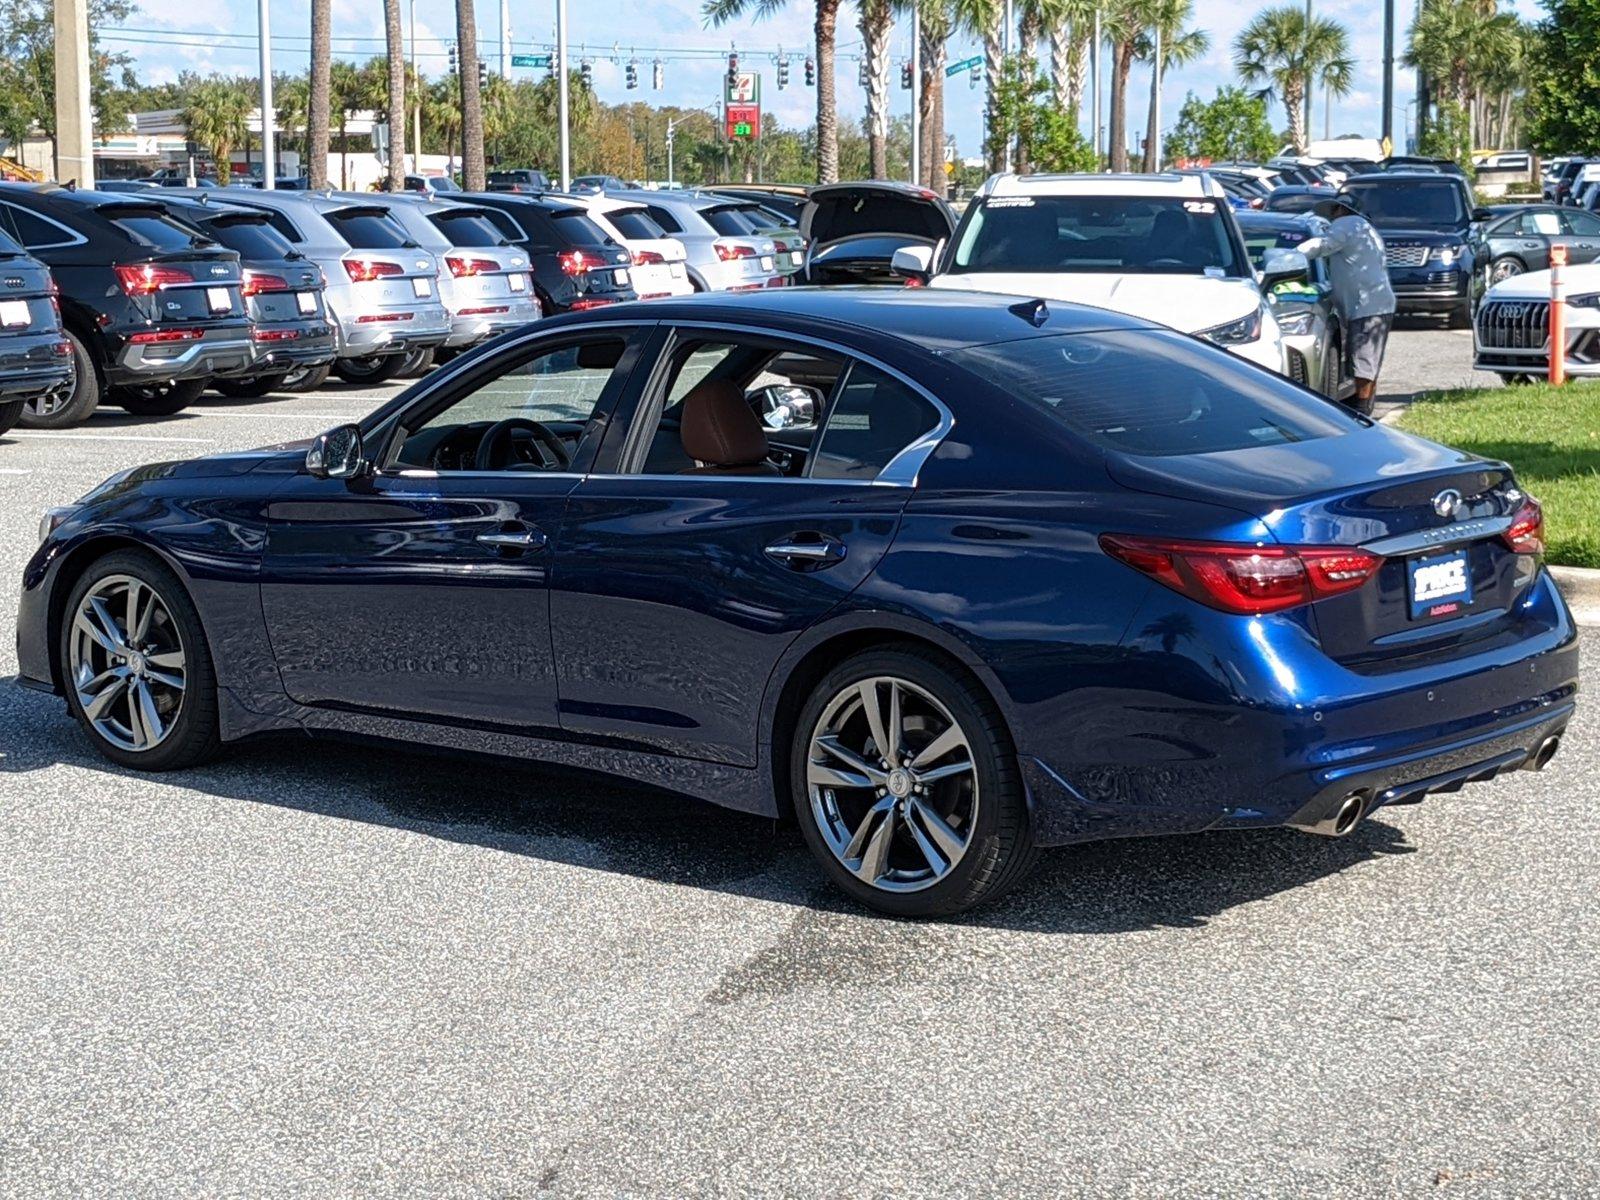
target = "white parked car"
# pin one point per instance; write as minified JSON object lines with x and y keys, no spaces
{"x":1162,"y":247}
{"x":1511,"y":332}
{"x":659,"y":261}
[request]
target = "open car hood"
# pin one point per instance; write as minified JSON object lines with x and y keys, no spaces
{"x":842,"y":210}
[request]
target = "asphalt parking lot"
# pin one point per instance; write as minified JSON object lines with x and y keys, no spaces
{"x":313,"y":969}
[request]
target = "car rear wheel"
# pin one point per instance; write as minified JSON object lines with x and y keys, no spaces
{"x":72,"y":405}
{"x":906,"y":786}
{"x":136,"y":667}
{"x":306,"y":379}
{"x":159,"y":399}
{"x":1505,"y":267}
{"x":10,"y":412}
{"x":415,"y":365}
{"x":1461,"y":316}
{"x":378,"y":369}
{"x":249,"y":389}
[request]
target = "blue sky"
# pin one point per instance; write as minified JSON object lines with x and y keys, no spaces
{"x":220,"y":36}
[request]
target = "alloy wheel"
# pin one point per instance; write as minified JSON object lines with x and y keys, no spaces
{"x":893,"y":784}
{"x":1506,"y":268}
{"x":49,"y":404}
{"x":127,"y":663}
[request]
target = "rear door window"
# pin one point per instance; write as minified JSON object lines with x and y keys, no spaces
{"x":729,"y":222}
{"x":36,"y":232}
{"x":252,"y":237}
{"x":506,"y":224}
{"x":1155,"y":393}
{"x":874,"y":417}
{"x":157,"y":230}
{"x":635,"y":223}
{"x":664,"y":219}
{"x":576,"y":229}
{"x":367,"y":229}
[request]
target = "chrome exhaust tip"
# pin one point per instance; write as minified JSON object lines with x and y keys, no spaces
{"x":1341,"y":818}
{"x":1546,"y":751}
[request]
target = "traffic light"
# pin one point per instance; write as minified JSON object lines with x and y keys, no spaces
{"x":864,"y":76}
{"x":905,"y":77}
{"x":733,"y":70}
{"x":452,"y":58}
{"x":631,"y":74}
{"x":783,"y":73}
{"x":483,"y":74}
{"x":974,"y":75}
{"x":658,"y":75}
{"x":586,"y":73}
{"x":811,"y":71}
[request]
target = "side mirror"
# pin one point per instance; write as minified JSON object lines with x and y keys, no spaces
{"x":913,"y":262}
{"x":336,"y":454}
{"x":1279,"y":265}
{"x":1481,"y":214}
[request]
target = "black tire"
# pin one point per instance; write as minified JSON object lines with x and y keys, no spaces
{"x":379,"y":369}
{"x":309,"y":379}
{"x":159,"y":399}
{"x":74,"y":407}
{"x":249,"y":389}
{"x":1461,"y":316}
{"x":1000,"y":850}
{"x":416,"y":364}
{"x":1333,"y":370}
{"x":10,"y":413}
{"x":194,"y":734}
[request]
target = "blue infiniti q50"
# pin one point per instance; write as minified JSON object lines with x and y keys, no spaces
{"x":946,"y":577}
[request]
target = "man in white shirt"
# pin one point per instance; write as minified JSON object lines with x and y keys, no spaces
{"x":1361,"y":290}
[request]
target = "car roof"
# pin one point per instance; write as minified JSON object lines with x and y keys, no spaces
{"x":1266,"y":220}
{"x":697,"y":200}
{"x":1164,"y":184}
{"x":924,"y":318}
{"x":1402,"y":176}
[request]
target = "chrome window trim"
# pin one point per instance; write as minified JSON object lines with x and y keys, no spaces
{"x":74,"y":238}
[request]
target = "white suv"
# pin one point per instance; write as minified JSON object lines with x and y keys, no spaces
{"x":1162,"y":247}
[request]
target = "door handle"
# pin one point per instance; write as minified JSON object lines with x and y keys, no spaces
{"x":812,"y":552}
{"x":513,"y":541}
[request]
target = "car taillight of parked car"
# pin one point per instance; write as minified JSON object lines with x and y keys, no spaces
{"x":576,"y":262}
{"x":648,"y":258}
{"x":1245,"y":579}
{"x":728,"y":252}
{"x":365,"y":270}
{"x":145,"y":279}
{"x":256,"y":282}
{"x":1526,"y":535}
{"x":463,"y":267}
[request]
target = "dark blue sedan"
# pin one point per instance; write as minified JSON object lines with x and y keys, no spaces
{"x":945,"y":577}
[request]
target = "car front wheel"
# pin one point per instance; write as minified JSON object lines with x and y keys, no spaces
{"x":906,"y":786}
{"x":377,"y":369}
{"x":136,"y":666}
{"x":159,"y":399}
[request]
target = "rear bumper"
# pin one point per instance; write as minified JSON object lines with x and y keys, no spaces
{"x":33,"y":364}
{"x":312,"y":343}
{"x":469,"y":328}
{"x":356,"y":338}
{"x":221,"y":351}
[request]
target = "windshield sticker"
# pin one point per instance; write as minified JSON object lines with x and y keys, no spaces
{"x":1200,"y":206}
{"x":1215,"y":273}
{"x":1010,"y":202}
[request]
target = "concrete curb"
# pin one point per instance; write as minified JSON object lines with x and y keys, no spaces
{"x":1581,"y":588}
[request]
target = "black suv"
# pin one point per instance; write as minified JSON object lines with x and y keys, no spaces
{"x":35,"y":357}
{"x":290,"y":334}
{"x":1426,"y":222}
{"x":152,"y":307}
{"x":576,"y":265}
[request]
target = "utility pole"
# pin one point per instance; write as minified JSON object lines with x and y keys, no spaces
{"x":1310,"y":108}
{"x":269,"y":114}
{"x":416,"y":99}
{"x":1094,"y":70}
{"x":916,"y":95}
{"x":561,"y":92}
{"x":74,"y":116}
{"x":505,"y":39}
{"x":1005,"y":64}
{"x":1388,"y":71}
{"x":1155,"y":99}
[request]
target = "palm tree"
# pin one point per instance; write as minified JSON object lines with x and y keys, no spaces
{"x":1460,"y":45}
{"x":349,"y":92}
{"x":937,"y":19}
{"x":988,"y":18}
{"x":1179,"y":47}
{"x":1281,"y":50}
{"x":318,"y":108}
{"x":1123,"y":22}
{"x":472,"y":169}
{"x":218,"y":117}
{"x":876,"y":23}
{"x":826,"y":25}
{"x":290,"y":96}
{"x":395,"y":109}
{"x":1069,"y":39}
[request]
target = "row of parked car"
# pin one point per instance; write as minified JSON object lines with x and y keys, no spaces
{"x":145,"y":298}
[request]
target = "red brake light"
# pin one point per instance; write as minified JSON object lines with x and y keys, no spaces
{"x":1526,"y":535}
{"x":1243,"y":578}
{"x":645,"y":258}
{"x":576,"y":262}
{"x":146,"y":278}
{"x":155,"y":337}
{"x":365,"y":270}
{"x":727,"y":253}
{"x":256,"y":282}
{"x":470,"y":266}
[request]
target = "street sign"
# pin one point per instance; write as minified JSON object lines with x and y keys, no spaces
{"x":742,"y":87}
{"x":530,"y":60}
{"x":966,"y":64}
{"x":744,"y":121}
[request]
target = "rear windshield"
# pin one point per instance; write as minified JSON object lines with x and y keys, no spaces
{"x":158,"y":231}
{"x":526,"y":177}
{"x":1293,"y":202}
{"x":467,"y":229}
{"x":1422,"y":204}
{"x":579,"y":230}
{"x":1156,"y":394}
{"x":252,"y":237}
{"x":729,"y":222}
{"x":635,"y":223}
{"x":1117,"y":235}
{"x":366,"y":229}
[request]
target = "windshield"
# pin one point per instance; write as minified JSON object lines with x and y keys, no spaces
{"x":1414,"y":203}
{"x":1117,"y":235}
{"x":1155,"y":393}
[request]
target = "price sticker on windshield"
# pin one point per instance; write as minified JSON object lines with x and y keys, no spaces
{"x":1204,"y":207}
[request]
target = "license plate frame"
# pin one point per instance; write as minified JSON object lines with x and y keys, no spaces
{"x":219,"y":299}
{"x":422,"y":287}
{"x":306,"y":302}
{"x":767,"y":263}
{"x":516,"y":282}
{"x":1439,"y":585}
{"x":15,"y":314}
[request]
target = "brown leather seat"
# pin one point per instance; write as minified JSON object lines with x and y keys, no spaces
{"x":721,"y":432}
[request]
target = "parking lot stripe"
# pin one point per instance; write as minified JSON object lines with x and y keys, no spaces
{"x":108,"y":437}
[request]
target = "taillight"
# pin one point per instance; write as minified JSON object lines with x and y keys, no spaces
{"x":145,"y":278}
{"x":460,"y":267}
{"x":1526,"y":535}
{"x":727,"y":253}
{"x":256,"y":282}
{"x":365,"y":270}
{"x":1242,"y":578}
{"x":648,"y":258}
{"x":576,"y":262}
{"x":155,"y":337}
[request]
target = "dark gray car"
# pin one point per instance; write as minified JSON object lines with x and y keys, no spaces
{"x":1518,"y":238}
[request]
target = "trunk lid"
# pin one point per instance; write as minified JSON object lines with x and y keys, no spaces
{"x":843,"y":210}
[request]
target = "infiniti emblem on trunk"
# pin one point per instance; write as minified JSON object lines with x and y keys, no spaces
{"x":1447,"y":502}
